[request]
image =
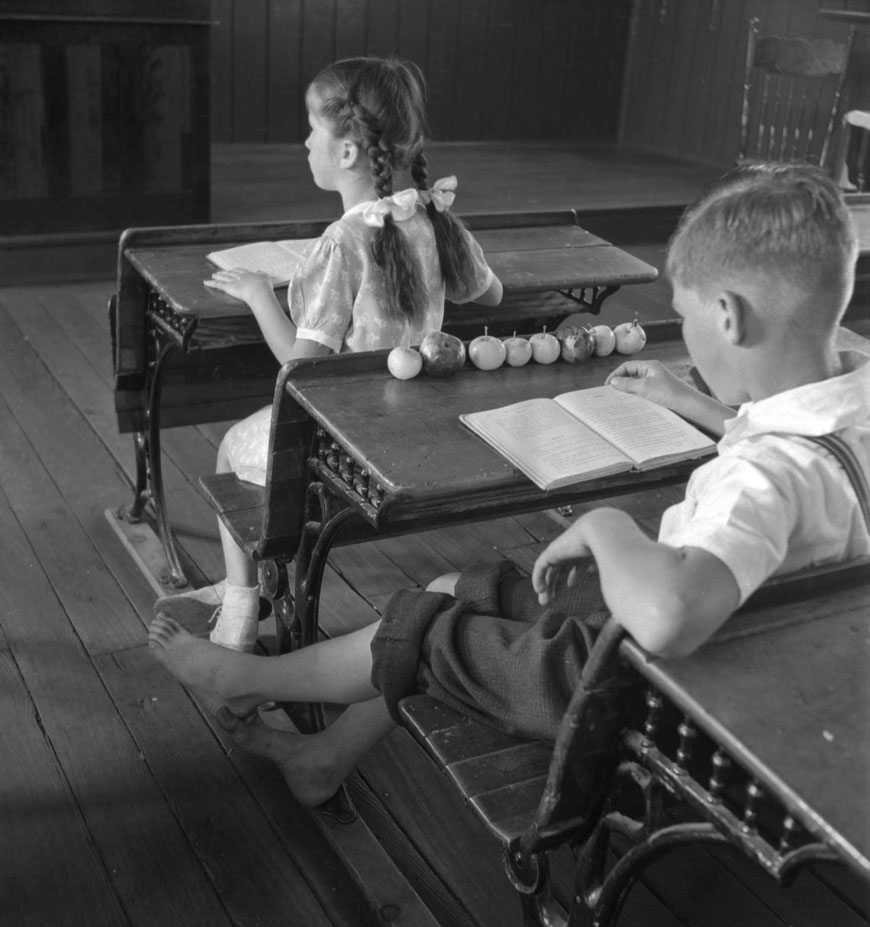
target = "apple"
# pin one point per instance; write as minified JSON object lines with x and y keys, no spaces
{"x":518,"y":351}
{"x":577,"y":344}
{"x":630,"y":337}
{"x":442,"y":354}
{"x":486,"y":352}
{"x":404,"y":363}
{"x":605,"y":340}
{"x":545,"y":347}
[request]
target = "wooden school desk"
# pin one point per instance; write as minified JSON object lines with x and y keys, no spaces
{"x":185,"y":354}
{"x":357,"y":454}
{"x":758,"y":740}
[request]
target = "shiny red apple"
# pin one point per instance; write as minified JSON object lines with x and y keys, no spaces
{"x":442,"y":354}
{"x":577,"y":344}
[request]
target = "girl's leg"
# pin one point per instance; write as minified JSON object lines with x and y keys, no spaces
{"x":337,"y":670}
{"x":314,"y":765}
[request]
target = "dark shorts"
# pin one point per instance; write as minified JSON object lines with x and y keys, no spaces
{"x":491,"y":652}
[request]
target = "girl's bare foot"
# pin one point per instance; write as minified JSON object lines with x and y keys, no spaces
{"x":222,"y":676}
{"x":306,"y":762}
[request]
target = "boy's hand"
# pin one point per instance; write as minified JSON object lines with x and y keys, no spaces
{"x":560,"y":561}
{"x":650,"y":379}
{"x":242,"y":284}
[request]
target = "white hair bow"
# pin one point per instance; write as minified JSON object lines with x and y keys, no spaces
{"x":442,"y":193}
{"x":400,"y":206}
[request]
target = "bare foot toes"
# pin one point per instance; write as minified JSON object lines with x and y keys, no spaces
{"x":218,"y":674}
{"x":310,"y":773}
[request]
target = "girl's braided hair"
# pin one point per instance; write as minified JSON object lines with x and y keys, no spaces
{"x":380,"y":103}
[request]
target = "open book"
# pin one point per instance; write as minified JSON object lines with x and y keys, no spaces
{"x":587,"y":433}
{"x":278,"y":259}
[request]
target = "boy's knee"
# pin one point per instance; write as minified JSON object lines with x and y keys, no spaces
{"x":445,"y":583}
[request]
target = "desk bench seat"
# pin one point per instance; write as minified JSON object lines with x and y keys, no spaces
{"x":638,"y":758}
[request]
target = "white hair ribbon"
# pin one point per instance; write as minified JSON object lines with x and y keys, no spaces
{"x":441,"y":194}
{"x":400,"y":206}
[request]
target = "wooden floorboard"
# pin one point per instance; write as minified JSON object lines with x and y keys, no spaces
{"x":124,"y":804}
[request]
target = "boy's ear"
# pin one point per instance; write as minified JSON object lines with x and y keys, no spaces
{"x":734,"y":313}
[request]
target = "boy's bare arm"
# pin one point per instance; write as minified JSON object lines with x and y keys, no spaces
{"x":670,"y":600}
{"x":652,"y":380}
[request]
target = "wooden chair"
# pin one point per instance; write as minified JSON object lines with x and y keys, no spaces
{"x":622,"y":756}
{"x":792,"y":92}
{"x":858,"y":147}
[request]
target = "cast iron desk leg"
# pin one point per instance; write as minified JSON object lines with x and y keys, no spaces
{"x":149,"y":469}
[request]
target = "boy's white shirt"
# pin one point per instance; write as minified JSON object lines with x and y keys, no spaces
{"x":771,"y":504}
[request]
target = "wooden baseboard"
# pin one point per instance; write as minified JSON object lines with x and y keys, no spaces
{"x":42,"y":259}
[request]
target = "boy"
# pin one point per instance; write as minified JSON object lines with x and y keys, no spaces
{"x":762,"y":270}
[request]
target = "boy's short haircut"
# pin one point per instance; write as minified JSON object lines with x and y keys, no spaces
{"x":776,"y":220}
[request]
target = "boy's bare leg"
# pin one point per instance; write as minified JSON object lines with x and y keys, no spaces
{"x":314,"y":765}
{"x":337,"y":670}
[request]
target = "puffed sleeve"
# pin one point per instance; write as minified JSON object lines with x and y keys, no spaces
{"x":481,"y":273}
{"x":321,"y":295}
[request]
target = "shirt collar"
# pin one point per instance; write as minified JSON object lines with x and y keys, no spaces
{"x":812,"y":409}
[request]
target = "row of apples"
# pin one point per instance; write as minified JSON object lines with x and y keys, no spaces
{"x":441,"y":354}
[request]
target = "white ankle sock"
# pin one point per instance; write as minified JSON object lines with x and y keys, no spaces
{"x":238,"y":622}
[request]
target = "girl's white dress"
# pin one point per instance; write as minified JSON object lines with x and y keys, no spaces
{"x":337,"y":298}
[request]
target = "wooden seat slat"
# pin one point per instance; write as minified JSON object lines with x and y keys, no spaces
{"x":508,"y":812}
{"x":496,"y":770}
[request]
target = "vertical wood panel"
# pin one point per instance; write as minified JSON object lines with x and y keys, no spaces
{"x":351,"y":17}
{"x":495,"y":68}
{"x":285,"y":106}
{"x":382,"y":28}
{"x":85,"y":151}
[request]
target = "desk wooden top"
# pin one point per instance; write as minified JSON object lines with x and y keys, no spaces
{"x":786,"y":691}
{"x":530,"y":259}
{"x":407,"y":433}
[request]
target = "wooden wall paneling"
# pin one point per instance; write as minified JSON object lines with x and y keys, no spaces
{"x":56,"y":138}
{"x":381,"y":37}
{"x":498,"y":67}
{"x":471,"y":38}
{"x":351,"y":27}
{"x":552,"y":86}
{"x":727,"y":52}
{"x":221,"y":68}
{"x":318,"y":37}
{"x":286,"y":116}
{"x":86,"y":118}
{"x":443,"y":60}
{"x":250,"y":24}
{"x":685,"y":87}
{"x":597,"y":64}
{"x":637,"y":62}
{"x":28,"y":118}
{"x":412,"y":32}
{"x":524,"y":102}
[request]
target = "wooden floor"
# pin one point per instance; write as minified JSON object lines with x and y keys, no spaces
{"x":121,"y":803}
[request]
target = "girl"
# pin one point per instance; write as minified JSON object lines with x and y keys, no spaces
{"x":375,"y":279}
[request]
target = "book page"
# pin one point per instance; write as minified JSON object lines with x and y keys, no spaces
{"x":641,"y":429}
{"x":550,"y":446}
{"x":278,"y":259}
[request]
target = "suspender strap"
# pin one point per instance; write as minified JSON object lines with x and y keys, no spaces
{"x":849,"y":462}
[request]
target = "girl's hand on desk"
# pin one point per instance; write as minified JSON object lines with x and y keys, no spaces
{"x":242,"y":284}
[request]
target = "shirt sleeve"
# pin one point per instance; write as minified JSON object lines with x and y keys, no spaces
{"x":742,"y":513}
{"x":481,"y":273}
{"x":321,"y":295}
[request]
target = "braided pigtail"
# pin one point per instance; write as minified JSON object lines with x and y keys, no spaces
{"x":406,"y":295}
{"x":453,"y":255}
